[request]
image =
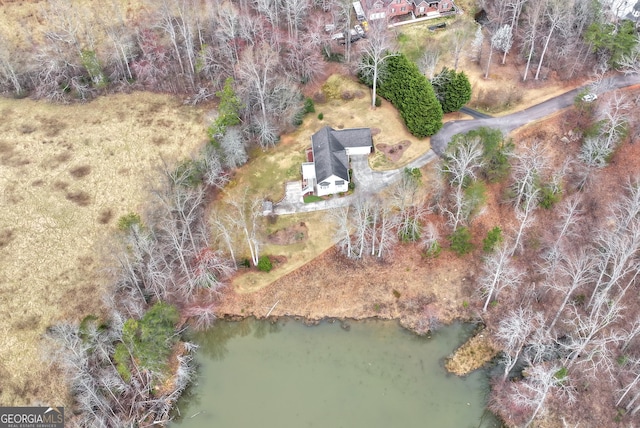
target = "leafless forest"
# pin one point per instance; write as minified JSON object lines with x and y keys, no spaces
{"x":186,"y":47}
{"x":563,"y":307}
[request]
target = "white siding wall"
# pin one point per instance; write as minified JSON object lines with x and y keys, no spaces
{"x":358,"y":150}
{"x":332,"y":187}
{"x":308,"y":170}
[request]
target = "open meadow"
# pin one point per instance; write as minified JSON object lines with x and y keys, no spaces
{"x":67,"y":173}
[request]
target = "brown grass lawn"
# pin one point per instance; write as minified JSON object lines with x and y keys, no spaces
{"x":267,"y":173}
{"x":265,"y":176}
{"x":67,"y":173}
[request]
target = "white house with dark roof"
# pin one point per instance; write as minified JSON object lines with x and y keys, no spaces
{"x":327,"y":169}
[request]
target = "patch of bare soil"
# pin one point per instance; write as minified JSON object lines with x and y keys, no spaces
{"x":394,"y":152}
{"x":407,"y":287}
{"x":66,"y":172}
{"x":289,"y":235}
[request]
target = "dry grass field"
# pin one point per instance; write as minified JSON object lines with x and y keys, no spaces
{"x":67,"y":173}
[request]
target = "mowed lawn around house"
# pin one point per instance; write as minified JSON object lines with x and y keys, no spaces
{"x":347,"y":105}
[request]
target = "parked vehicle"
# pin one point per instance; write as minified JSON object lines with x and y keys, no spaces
{"x":589,"y":98}
{"x":354,"y":37}
{"x":440,"y":26}
{"x":359,"y":30}
{"x":339,"y":37}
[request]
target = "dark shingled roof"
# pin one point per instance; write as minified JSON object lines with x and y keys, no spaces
{"x":329,"y":153}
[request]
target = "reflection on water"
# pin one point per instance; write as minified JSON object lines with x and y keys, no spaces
{"x":254,"y":373}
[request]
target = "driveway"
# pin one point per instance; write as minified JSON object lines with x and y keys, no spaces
{"x":369,"y":181}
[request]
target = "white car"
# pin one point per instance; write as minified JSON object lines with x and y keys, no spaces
{"x":359,"y":30}
{"x":589,"y":98}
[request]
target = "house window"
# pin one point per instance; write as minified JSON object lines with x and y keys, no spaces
{"x":403,"y":9}
{"x":421,"y":9}
{"x":339,"y":182}
{"x":324,"y":184}
{"x":393,"y":10}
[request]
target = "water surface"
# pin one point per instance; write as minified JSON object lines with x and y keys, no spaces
{"x":376,"y":374}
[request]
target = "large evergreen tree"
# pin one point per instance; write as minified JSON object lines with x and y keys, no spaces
{"x":613,"y":42}
{"x":452,"y":89}
{"x":412,"y":94}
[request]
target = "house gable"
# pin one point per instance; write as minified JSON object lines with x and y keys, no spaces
{"x":329,"y":156}
{"x":331,"y":149}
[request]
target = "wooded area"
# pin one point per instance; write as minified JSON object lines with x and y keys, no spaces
{"x":562,"y":306}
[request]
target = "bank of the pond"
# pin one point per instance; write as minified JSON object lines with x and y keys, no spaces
{"x":286,"y":374}
{"x":421,"y":294}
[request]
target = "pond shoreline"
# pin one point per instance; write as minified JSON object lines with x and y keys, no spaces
{"x":347,"y":362}
{"x":471,"y":355}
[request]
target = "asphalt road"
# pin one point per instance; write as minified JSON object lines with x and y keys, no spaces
{"x":512,"y":121}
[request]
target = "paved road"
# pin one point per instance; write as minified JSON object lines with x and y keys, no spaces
{"x":370,"y":181}
{"x":510,"y":122}
{"x":474,"y":113}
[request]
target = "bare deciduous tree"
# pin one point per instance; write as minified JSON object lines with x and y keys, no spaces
{"x":613,"y":119}
{"x":246,"y":215}
{"x":500,"y":40}
{"x":534,"y":14}
{"x":630,"y":391}
{"x":429,"y":61}
{"x":377,"y":50}
{"x":498,"y":272}
{"x":476,"y":45}
{"x":232,"y":144}
{"x":457,"y":42}
{"x":574,"y":271}
{"x":341,"y":218}
{"x":513,"y":334}
{"x":590,"y":337}
{"x":541,"y":381}
{"x":462,"y":160}
{"x":556,"y":13}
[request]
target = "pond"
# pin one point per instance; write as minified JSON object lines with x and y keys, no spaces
{"x":373,"y":374}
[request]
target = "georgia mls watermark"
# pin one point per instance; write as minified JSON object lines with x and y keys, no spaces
{"x":31,"y":417}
